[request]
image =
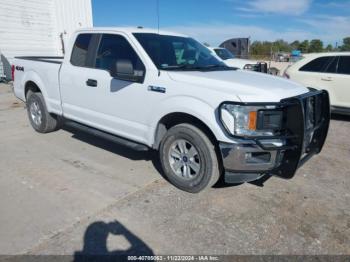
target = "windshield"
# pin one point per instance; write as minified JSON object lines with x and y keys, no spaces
{"x":223,"y":53}
{"x":178,"y":53}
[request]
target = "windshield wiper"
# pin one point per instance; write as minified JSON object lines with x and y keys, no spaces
{"x":215,"y":66}
{"x":182,"y":66}
{"x":192,"y":67}
{"x":174,"y":67}
{"x":224,"y":67}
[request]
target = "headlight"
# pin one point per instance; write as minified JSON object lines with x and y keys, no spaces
{"x":242,"y":120}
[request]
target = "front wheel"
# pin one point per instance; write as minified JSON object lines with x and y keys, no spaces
{"x":188,"y":158}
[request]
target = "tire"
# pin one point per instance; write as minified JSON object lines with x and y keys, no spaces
{"x":40,"y":119}
{"x":194,"y":171}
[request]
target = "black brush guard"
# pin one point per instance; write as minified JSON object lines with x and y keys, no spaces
{"x":262,"y":67}
{"x":306,"y":124}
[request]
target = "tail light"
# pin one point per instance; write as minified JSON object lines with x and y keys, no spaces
{"x":13,"y":72}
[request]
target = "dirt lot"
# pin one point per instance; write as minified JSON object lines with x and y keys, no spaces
{"x":70,"y":193}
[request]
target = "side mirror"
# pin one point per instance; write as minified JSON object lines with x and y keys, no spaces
{"x":124,"y":70}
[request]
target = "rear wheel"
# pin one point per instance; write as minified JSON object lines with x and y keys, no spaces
{"x":40,"y":119}
{"x":188,"y":158}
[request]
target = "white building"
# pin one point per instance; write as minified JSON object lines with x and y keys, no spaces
{"x":37,"y":27}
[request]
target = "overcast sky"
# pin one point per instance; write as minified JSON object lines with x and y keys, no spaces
{"x":214,"y":21}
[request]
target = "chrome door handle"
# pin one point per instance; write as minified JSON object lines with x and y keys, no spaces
{"x":328,"y":79}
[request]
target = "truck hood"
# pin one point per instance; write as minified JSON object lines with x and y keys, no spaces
{"x":246,"y":85}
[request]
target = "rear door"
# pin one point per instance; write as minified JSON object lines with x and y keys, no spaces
{"x":73,"y":76}
{"x":342,"y":82}
{"x":319,"y":73}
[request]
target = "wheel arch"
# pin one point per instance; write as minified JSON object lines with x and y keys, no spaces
{"x":31,"y":86}
{"x":172,"y":119}
{"x":31,"y":80}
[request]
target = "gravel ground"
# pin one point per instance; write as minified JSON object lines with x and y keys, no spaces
{"x":70,"y":193}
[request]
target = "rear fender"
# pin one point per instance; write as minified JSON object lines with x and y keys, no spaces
{"x":31,"y":76}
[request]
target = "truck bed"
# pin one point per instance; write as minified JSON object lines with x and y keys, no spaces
{"x":44,"y":72}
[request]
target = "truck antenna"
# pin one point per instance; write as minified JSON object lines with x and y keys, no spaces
{"x":158,"y":16}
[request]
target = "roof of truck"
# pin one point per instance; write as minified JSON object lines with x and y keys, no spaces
{"x":131,"y":30}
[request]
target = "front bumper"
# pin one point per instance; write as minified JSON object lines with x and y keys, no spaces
{"x":304,"y":134}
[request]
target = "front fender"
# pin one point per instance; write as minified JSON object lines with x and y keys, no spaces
{"x":191,"y":106}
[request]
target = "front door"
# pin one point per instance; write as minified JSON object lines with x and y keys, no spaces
{"x":92,"y":94}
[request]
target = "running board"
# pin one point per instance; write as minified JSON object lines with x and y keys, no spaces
{"x":107,"y":136}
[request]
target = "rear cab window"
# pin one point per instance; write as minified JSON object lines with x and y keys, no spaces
{"x":80,"y":50}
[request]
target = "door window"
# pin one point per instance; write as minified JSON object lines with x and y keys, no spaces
{"x":317,"y":65}
{"x":344,"y":65}
{"x":332,"y":66}
{"x":80,"y":50}
{"x":113,"y":48}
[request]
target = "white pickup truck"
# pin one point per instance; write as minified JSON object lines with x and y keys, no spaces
{"x":165,"y":91}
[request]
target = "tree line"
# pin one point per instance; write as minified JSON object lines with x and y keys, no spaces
{"x":266,"y":48}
